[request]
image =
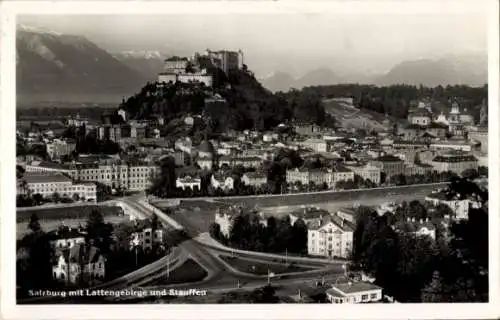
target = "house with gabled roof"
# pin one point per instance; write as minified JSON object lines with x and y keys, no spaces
{"x":330,"y":236}
{"x":81,"y":262}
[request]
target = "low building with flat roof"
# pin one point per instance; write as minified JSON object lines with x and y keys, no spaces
{"x":354,"y":292}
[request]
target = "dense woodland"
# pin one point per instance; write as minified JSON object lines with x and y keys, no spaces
{"x":454,"y":268}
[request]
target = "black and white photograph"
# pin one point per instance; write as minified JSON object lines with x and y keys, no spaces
{"x":335,"y":157}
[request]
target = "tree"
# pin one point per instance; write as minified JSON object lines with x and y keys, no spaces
{"x":76,"y":197}
{"x":470,"y":174}
{"x":98,"y":232}
{"x":56,"y":198}
{"x":38,"y":198}
{"x":34,"y":224}
{"x":215,"y":232}
{"x":299,"y":237}
{"x":482,"y":171}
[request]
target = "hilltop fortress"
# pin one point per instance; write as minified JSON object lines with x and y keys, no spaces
{"x":195,"y":68}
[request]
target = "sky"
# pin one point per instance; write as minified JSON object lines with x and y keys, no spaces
{"x":296,"y":43}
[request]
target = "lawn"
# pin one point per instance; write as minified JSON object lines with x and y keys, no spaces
{"x":60,"y":213}
{"x":259,"y":268}
{"x":188,"y":272}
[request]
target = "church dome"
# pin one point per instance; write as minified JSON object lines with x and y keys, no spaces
{"x":206,"y":147}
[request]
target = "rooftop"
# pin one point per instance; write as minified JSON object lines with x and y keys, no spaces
{"x":353,"y":287}
{"x":45,"y":178}
{"x":388,"y":158}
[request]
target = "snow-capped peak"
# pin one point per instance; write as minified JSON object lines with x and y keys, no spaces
{"x":33,"y":29}
{"x":142,"y":54}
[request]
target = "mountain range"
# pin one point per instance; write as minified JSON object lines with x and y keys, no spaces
{"x":51,"y":63}
{"x":450,"y":70}
{"x":54,"y":64}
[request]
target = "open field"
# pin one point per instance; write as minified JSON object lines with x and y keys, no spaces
{"x":259,"y":268}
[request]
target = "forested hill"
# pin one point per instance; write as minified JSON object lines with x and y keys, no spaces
{"x":395,"y":100}
{"x":248,"y":104}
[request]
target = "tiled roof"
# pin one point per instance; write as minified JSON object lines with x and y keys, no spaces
{"x":310,"y":213}
{"x":45,"y":178}
{"x":388,"y":158}
{"x":455,"y":158}
{"x":65,"y":233}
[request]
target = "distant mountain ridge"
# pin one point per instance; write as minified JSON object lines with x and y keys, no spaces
{"x":53,"y":63}
{"x":450,"y":70}
{"x":147,"y":63}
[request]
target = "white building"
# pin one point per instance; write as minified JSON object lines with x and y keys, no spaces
{"x":58,"y":148}
{"x":354,"y":292}
{"x":222,"y":182}
{"x":367,"y":172}
{"x":48,"y":184}
{"x":79,"y":263}
{"x":188,"y":182}
{"x":459,"y":206}
{"x":330,"y":236}
{"x":66,"y":238}
{"x":144,"y":236}
{"x":317,"y":145}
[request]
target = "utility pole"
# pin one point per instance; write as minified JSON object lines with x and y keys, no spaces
{"x":286,"y":255}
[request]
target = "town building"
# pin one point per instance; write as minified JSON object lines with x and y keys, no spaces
{"x":367,"y":172}
{"x":348,"y":214}
{"x":65,"y":238}
{"x":354,"y":292}
{"x":455,"y":162}
{"x":245,"y":162}
{"x":308,"y":214}
{"x":132,"y":177}
{"x":418,"y":169}
{"x":222,"y":181}
{"x":307,"y":129}
{"x":48,"y":184}
{"x":206,"y":155}
{"x":459,"y":206}
{"x":330,"y":236}
{"x":226,"y":60}
{"x":452,"y":144}
{"x":188,"y":182}
{"x":144,"y":237}
{"x":109,"y":132}
{"x":59,"y":148}
{"x":419,"y":228}
{"x":479,"y":135}
{"x":80,"y":263}
{"x":316,"y":145}
{"x":389,"y":165}
{"x":225,"y":215}
{"x":420,"y":116}
{"x":320,"y":176}
{"x":255,"y":179}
